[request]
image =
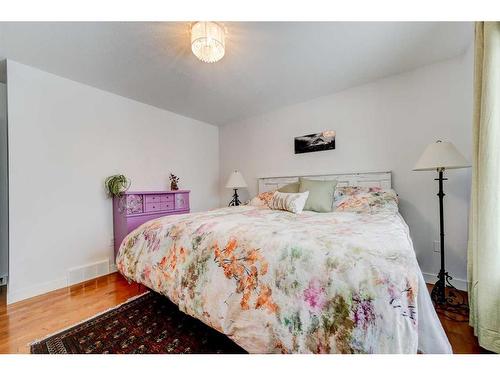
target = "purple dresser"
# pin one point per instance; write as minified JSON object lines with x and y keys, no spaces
{"x":134,"y":208}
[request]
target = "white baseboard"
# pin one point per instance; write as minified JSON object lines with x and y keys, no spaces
{"x":49,"y":286}
{"x":35,"y":290}
{"x":457,"y":283}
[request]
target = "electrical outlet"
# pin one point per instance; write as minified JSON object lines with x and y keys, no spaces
{"x":437,"y":246}
{"x":112,"y":242}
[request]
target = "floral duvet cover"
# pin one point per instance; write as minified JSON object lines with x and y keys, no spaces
{"x":277,"y":282}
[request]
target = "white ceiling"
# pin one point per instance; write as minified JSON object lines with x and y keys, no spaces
{"x":267,"y":64}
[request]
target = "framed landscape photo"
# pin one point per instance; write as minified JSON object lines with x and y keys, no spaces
{"x":315,"y":142}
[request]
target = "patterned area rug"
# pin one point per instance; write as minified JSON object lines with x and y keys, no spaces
{"x":147,"y":324}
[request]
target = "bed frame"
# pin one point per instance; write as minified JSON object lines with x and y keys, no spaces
{"x":379,"y":179}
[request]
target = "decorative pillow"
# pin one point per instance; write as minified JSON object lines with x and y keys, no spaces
{"x":290,"y":188}
{"x":293,"y":202}
{"x":262,"y":199}
{"x":365,"y":200}
{"x":320,"y":194}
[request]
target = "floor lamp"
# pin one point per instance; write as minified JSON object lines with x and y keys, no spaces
{"x":235,"y":182}
{"x":440,"y":156}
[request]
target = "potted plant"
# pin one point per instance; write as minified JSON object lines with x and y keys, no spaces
{"x":174,"y":180}
{"x":116,"y":185}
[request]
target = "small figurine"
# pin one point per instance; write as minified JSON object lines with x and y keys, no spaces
{"x":173,"y":182}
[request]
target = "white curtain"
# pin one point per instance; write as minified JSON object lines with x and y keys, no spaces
{"x":484,"y":227}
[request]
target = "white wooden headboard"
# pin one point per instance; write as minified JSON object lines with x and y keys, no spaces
{"x":380,"y":179}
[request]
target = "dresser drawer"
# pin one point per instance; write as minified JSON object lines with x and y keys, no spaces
{"x":167,"y":198}
{"x":181,"y":201}
{"x":129,"y":204}
{"x":167,"y":206}
{"x":152,"y":198}
{"x":159,"y":206}
{"x":152,"y":206}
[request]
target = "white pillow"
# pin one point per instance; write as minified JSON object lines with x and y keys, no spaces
{"x":293,"y":202}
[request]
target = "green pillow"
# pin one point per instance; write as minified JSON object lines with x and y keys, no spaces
{"x":320,"y":194}
{"x":290,"y":188}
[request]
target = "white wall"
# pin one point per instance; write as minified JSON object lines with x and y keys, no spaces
{"x":381,"y":126}
{"x":4,"y":244}
{"x":64,"y":139}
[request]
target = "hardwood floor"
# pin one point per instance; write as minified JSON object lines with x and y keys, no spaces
{"x":23,"y":322}
{"x":28,"y":320}
{"x":460,"y":333}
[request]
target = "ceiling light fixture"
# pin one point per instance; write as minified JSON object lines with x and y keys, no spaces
{"x":208,"y":41}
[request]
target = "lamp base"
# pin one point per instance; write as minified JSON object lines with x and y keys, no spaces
{"x":448,"y":300}
{"x":235,"y":201}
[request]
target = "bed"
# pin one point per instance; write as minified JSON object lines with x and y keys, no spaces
{"x":277,"y":282}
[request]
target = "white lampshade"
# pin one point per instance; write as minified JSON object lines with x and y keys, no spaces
{"x":236,"y":181}
{"x":441,"y":155}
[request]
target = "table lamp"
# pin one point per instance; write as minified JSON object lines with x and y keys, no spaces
{"x":235,"y":181}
